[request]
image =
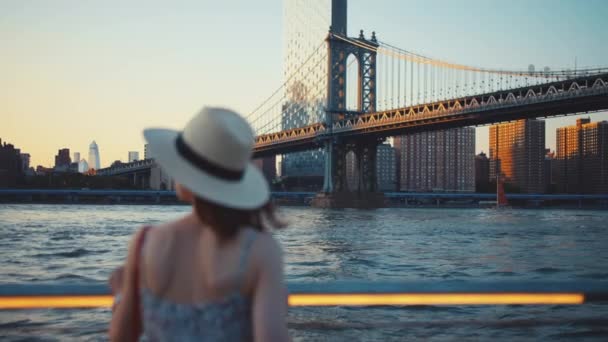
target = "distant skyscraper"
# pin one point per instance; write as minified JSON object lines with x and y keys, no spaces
{"x":94,"y":160}
{"x":517,"y":149}
{"x":306,"y":26}
{"x":76,"y":158}
{"x":482,"y":172}
{"x":11,"y":166}
{"x":25,"y":161}
{"x":62,"y":159}
{"x":582,"y":157}
{"x":437,"y":161}
{"x":133,"y":156}
{"x":83,"y":166}
{"x":146,"y":156}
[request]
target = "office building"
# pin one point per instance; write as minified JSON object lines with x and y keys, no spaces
{"x":62,"y":159}
{"x":582,"y":157}
{"x":76,"y":157}
{"x":11,"y":166}
{"x":133,"y":156}
{"x":437,"y":161}
{"x":94,"y":159}
{"x":146,"y":156}
{"x":517,"y":150}
{"x":25,"y":161}
{"x":482,"y":173}
{"x":83,"y":166}
{"x":550,"y":170}
{"x":386,"y":168}
{"x":305,"y":32}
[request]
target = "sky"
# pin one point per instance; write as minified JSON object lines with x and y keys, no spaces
{"x":76,"y":71}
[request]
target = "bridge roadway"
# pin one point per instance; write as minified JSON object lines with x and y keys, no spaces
{"x":583,"y":94}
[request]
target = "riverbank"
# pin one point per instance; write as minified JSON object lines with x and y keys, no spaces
{"x":391,"y":200}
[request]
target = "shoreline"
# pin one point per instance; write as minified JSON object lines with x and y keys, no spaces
{"x":280,"y":203}
{"x":303,"y":199}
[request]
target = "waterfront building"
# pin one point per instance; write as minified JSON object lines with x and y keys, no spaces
{"x":94,"y":159}
{"x":62,"y":159}
{"x":437,"y":161}
{"x":133,"y":156}
{"x":76,"y":157}
{"x":517,"y":150}
{"x":11,"y":166}
{"x":482,"y":173}
{"x":25,"y":161}
{"x":550,"y":169}
{"x":386,"y":168}
{"x":582,"y":157}
{"x":305,"y":32}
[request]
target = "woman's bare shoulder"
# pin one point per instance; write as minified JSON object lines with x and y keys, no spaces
{"x":266,"y":249}
{"x":161,"y":238}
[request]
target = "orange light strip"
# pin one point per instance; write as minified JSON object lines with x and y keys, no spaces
{"x":436,"y":299}
{"x":40,"y":302}
{"x":37,"y":302}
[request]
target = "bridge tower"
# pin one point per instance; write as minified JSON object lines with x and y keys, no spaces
{"x":335,"y":191}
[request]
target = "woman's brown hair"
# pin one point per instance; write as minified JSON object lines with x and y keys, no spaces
{"x":226,"y":222}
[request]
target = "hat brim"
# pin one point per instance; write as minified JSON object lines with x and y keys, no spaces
{"x":250,"y":192}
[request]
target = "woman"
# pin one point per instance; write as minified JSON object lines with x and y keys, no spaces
{"x":217,"y":273}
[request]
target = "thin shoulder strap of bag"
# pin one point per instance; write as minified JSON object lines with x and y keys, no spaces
{"x":137,"y":320}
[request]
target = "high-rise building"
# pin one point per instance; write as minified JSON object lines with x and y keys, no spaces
{"x":482,"y":173}
{"x":94,"y":160}
{"x":582,"y":157}
{"x":25,"y":161}
{"x":146,"y":156}
{"x":83,"y":166}
{"x":306,"y":26}
{"x":517,"y":150}
{"x":133,"y":156}
{"x":550,"y":169}
{"x":437,"y":161}
{"x":11,"y":167}
{"x":62,"y":159}
{"x":386,"y":168}
{"x":76,"y":158}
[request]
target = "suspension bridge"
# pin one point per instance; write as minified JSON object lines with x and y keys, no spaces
{"x":351,"y":93}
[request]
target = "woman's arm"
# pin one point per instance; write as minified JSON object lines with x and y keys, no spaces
{"x":121,"y":327}
{"x":270,"y":294}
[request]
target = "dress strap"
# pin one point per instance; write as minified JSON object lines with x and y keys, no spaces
{"x":249,"y":239}
{"x":136,"y":319}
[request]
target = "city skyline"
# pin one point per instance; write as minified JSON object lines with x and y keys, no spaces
{"x":116,"y":79}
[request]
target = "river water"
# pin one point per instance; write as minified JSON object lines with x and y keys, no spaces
{"x":83,"y":243}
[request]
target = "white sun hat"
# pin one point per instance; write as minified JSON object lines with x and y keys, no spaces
{"x":212,"y":158}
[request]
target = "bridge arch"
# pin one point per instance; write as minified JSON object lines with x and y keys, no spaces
{"x":353,"y":83}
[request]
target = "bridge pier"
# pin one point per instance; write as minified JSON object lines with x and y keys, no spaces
{"x":335,"y":189}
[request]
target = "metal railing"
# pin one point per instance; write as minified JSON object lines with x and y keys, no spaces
{"x":343,"y":293}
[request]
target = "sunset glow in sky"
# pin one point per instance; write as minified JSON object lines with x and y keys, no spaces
{"x":76,"y":71}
